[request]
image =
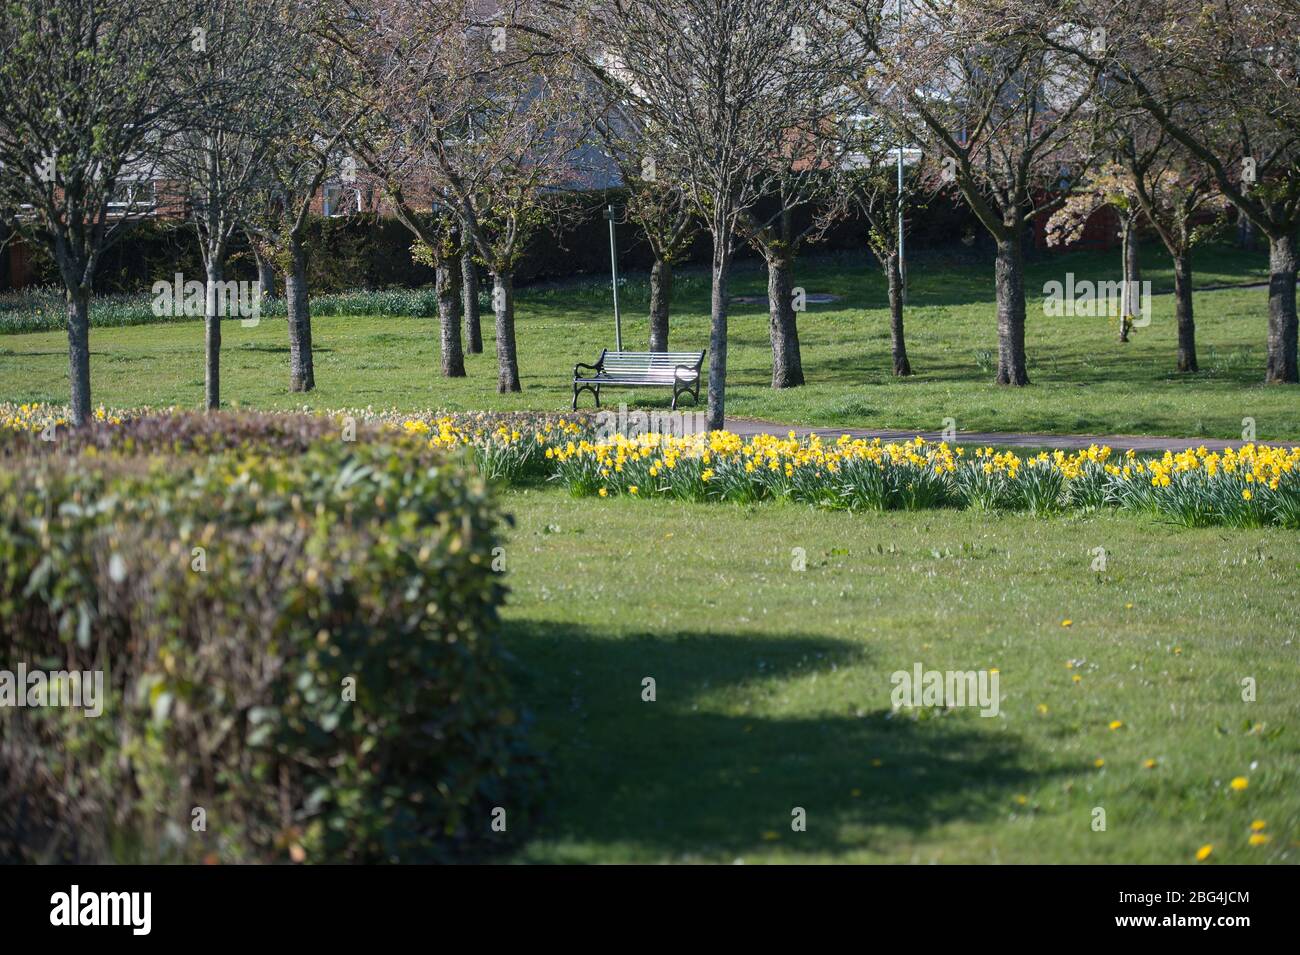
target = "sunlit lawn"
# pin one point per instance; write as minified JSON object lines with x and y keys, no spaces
{"x":773,"y":686}
{"x":1084,"y":380}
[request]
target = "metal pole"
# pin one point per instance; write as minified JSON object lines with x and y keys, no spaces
{"x":613,"y":270}
{"x":902,"y":267}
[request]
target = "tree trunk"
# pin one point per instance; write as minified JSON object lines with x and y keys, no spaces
{"x":301,"y":374}
{"x":212,"y":337}
{"x":898,"y":344}
{"x":449,"y":306}
{"x":1281,"y":309}
{"x":718,"y":335}
{"x":469,"y":291}
{"x":265,"y":274}
{"x":661,"y":293}
{"x":1010,"y":273}
{"x":1245,"y":232}
{"x":1130,"y":298}
{"x":503,"y":304}
{"x":1183,"y":312}
{"x":787,"y":364}
{"x":79,"y":354}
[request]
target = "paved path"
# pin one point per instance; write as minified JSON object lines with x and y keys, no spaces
{"x":1066,"y":442}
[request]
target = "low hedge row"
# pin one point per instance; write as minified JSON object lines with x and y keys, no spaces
{"x":298,"y":637}
{"x":43,"y":309}
{"x":180,"y":434}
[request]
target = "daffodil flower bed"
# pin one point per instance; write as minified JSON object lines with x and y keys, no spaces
{"x":1253,"y":486}
{"x":505,"y":451}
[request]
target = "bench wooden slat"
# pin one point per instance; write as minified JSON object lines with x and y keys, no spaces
{"x":680,"y":371}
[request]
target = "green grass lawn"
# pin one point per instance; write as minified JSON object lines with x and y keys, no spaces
{"x":1084,"y":380}
{"x":773,"y":684}
{"x":773,"y":687}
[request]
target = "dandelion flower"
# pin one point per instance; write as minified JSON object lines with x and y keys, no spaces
{"x":1203,"y":852}
{"x":1239,"y":783}
{"x":604,"y":492}
{"x":1258,"y":824}
{"x":1067,"y":622}
{"x":1099,"y":762}
{"x":1116,"y":724}
{"x":1149,"y":764}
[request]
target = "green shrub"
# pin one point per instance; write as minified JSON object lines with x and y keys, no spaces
{"x":43,"y":309}
{"x":235,"y":600}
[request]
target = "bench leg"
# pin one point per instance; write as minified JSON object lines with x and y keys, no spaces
{"x":678,"y":392}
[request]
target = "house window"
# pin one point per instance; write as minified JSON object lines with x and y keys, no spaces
{"x":332,"y":200}
{"x":337,"y":200}
{"x":131,"y":195}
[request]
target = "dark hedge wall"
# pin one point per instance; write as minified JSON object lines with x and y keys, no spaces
{"x":368,"y":251}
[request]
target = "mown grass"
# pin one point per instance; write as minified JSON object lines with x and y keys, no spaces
{"x":1084,"y":380}
{"x":773,"y":687}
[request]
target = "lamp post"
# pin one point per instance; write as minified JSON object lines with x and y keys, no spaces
{"x":613,"y":271}
{"x":902,"y":266}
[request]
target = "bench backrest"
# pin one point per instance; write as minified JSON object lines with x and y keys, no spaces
{"x":655,"y":366}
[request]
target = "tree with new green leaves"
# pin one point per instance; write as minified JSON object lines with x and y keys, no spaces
{"x":979,"y":87}
{"x":1222,"y":80}
{"x":472,"y":120}
{"x":316,"y":109}
{"x":407,"y":58}
{"x":229,"y":81}
{"x":1107,"y":187}
{"x":526,"y":111}
{"x":85,"y":91}
{"x":798,"y":208}
{"x":867,"y":185}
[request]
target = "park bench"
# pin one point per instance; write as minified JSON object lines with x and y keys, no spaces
{"x":678,"y":370}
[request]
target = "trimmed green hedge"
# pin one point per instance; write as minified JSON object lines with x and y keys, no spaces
{"x":302,"y":645}
{"x":43,"y":309}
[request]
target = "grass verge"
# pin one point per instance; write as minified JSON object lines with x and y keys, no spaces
{"x":773,"y":685}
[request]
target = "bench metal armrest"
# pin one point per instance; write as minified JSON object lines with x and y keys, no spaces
{"x":583,"y":364}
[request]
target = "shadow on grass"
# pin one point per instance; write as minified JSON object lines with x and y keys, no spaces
{"x":276,"y":349}
{"x":678,"y":776}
